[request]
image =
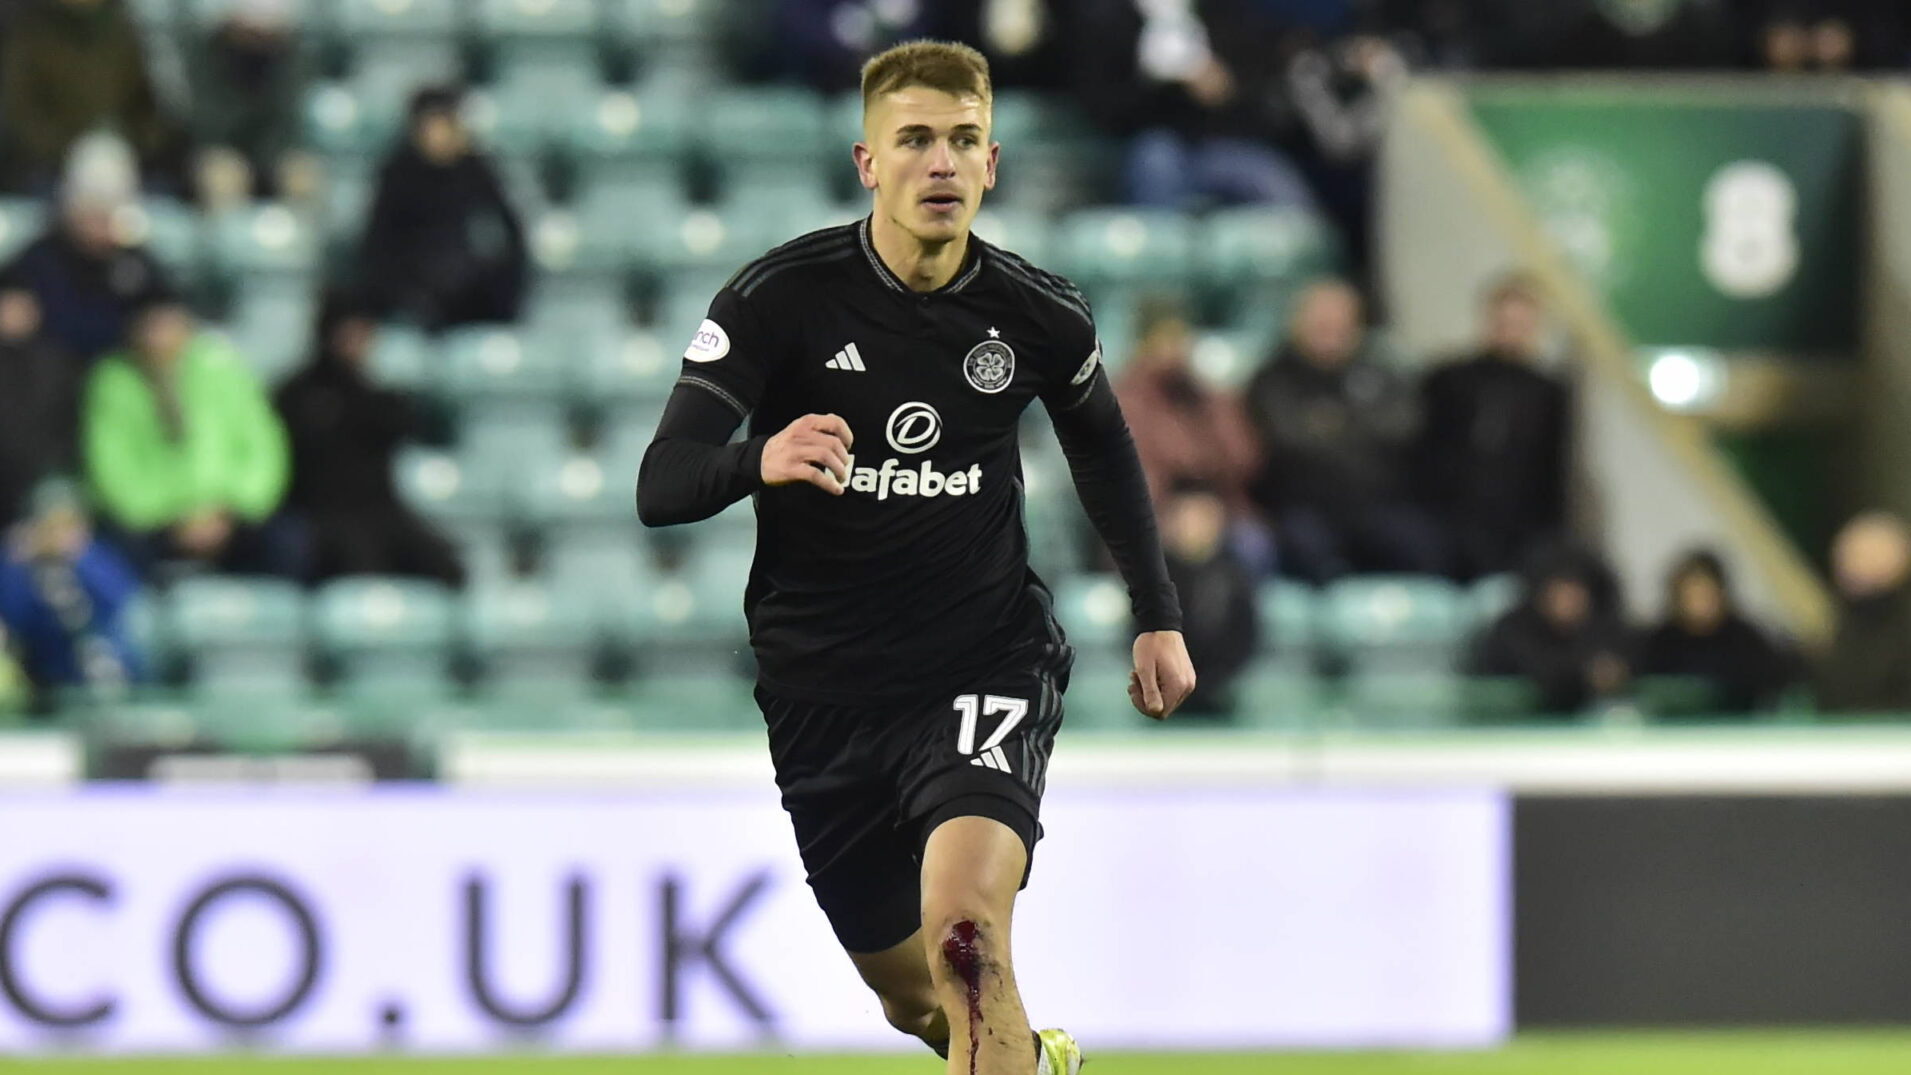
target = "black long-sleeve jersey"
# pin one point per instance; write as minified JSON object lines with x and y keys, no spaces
{"x":917,"y":576}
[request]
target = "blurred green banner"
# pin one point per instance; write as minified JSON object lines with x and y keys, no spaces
{"x":1706,"y":219}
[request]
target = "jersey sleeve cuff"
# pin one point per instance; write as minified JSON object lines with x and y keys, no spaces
{"x":750,"y":462}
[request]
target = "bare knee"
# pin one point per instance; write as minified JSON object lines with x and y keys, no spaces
{"x":969,"y":941}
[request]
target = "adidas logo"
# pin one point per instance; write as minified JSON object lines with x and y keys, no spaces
{"x":991,"y":759}
{"x":847,"y":359}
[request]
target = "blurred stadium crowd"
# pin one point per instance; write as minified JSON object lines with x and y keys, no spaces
{"x":331,"y":333}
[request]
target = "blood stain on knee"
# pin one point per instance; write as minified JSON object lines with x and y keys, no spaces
{"x":964,"y":957}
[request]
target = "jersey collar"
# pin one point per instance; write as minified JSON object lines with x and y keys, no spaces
{"x":963,"y":279}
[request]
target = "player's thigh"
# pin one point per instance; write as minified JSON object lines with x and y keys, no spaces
{"x":972,"y":867}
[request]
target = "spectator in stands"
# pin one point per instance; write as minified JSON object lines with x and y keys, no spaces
{"x":85,"y":273}
{"x":68,"y":67}
{"x":64,"y":595}
{"x":249,"y":77}
{"x":1704,"y":637}
{"x":184,"y":453}
{"x":1565,"y":638}
{"x":1196,"y":88}
{"x":823,"y":43}
{"x":1867,"y":668}
{"x":39,"y":401}
{"x":1219,"y":614}
{"x":1343,"y":90}
{"x":345,"y":430}
{"x":1185,"y":429}
{"x":444,"y":246}
{"x":1334,"y":425}
{"x":1496,"y":441}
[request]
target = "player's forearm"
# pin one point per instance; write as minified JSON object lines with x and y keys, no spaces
{"x":689,"y":472}
{"x":1114,"y":492}
{"x":683,"y":481}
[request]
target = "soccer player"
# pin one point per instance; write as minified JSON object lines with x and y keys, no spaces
{"x":910,"y":666}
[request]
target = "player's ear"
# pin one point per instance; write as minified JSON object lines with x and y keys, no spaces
{"x":866,"y":165}
{"x":995,"y":154}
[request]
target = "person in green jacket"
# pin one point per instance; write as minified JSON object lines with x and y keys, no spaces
{"x":186,"y":457}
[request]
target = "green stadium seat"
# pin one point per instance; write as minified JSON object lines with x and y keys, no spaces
{"x":1094,"y":613}
{"x":391,"y":70}
{"x":767,"y":124}
{"x":1405,"y":701}
{"x":270,"y":328}
{"x":171,"y":232}
{"x":371,"y":19}
{"x":565,"y":243}
{"x":622,"y":126}
{"x":1275,"y":697}
{"x":1251,"y":246}
{"x":657,"y":26}
{"x":1396,"y":623}
{"x":264,"y":239}
{"x":159,"y":16}
{"x":342,"y":120}
{"x":1492,"y":597}
{"x":386,"y":628}
{"x":402,"y":358}
{"x":556,"y":706}
{"x":1022,"y":231}
{"x":575,"y":489}
{"x":444,"y":486}
{"x":1290,"y":626}
{"x":701,"y":240}
{"x":506,"y":436}
{"x":313,"y":18}
{"x":1679,"y":698}
{"x":789,"y":202}
{"x":1130,"y":246}
{"x":533,"y":631}
{"x":20,"y":222}
{"x":611,"y":560}
{"x":636,"y":367}
{"x":499,"y":364}
{"x":241,"y":635}
{"x":537,"y":20}
{"x":149,"y":624}
{"x":692,"y":702}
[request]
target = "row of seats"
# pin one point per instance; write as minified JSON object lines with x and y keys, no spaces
{"x":646,"y":230}
{"x":376,"y":21}
{"x":233,"y":629}
{"x":691,"y":703}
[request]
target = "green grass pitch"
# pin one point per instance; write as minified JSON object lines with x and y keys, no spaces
{"x":1733,"y":1053}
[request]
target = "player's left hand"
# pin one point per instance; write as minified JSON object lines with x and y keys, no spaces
{"x":1163,"y":676}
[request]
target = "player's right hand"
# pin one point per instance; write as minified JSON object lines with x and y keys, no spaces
{"x":813,"y":449}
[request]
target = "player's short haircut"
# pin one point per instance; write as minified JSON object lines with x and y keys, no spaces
{"x":938,"y":65}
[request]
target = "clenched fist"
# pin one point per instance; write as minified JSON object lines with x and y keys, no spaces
{"x":813,"y":449}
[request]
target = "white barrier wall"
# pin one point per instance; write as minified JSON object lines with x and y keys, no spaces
{"x":143,"y":919}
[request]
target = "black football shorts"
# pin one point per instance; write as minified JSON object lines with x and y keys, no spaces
{"x":865,"y":786}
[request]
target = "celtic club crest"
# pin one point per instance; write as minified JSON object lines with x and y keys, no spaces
{"x":989,"y":366}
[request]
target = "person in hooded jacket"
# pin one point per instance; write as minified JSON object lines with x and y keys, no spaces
{"x":1705,"y":637}
{"x":1566,"y":637}
{"x":345,"y":430}
{"x":1868,"y":666}
{"x":444,"y":246}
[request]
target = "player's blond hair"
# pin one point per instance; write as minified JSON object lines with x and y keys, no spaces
{"x":938,"y":65}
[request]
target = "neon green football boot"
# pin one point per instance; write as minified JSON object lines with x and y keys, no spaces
{"x":1059,"y":1054}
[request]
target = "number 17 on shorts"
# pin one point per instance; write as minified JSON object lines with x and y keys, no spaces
{"x":1007,"y":713}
